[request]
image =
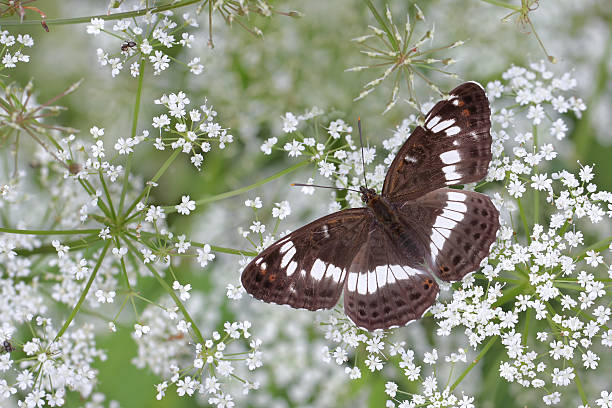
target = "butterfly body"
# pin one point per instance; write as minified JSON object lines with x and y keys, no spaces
{"x":384,"y":256}
{"x":386,"y":217}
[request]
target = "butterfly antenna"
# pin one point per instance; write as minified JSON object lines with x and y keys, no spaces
{"x":362,"y":156}
{"x":319,"y":186}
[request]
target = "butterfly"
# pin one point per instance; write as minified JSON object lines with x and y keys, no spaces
{"x":385,"y":256}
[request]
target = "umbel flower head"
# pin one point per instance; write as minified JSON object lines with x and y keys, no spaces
{"x":145,"y":38}
{"x":401,"y":55}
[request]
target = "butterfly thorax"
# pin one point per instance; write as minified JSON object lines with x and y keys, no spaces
{"x":387,"y":216}
{"x":382,"y":209}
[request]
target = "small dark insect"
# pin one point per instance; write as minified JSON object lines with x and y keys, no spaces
{"x":126,"y":45}
{"x":8,"y":347}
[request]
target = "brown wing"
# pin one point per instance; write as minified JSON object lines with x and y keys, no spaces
{"x":307,"y":268}
{"x":457,"y":226}
{"x":452,"y":147}
{"x":388,"y":285}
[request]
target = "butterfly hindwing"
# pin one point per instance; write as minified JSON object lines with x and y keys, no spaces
{"x":307,"y":268}
{"x":452,"y":147}
{"x":458,"y":227}
{"x":387,"y":286}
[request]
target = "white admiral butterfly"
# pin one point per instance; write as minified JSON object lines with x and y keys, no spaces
{"x":383,"y":255}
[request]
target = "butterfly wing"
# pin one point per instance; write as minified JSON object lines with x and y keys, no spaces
{"x":388,"y":285}
{"x":452,"y":147}
{"x":307,"y":268}
{"x":457,"y":226}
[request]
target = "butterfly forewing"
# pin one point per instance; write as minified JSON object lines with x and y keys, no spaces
{"x":386,"y":285}
{"x":452,"y":147}
{"x":457,"y":226}
{"x":307,"y":268}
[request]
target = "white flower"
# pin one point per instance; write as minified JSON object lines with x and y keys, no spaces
{"x":605,"y":401}
{"x":119,"y":252}
{"x":353,"y":373}
{"x":234,"y":292}
{"x":97,"y":24}
{"x":391,"y":389}
{"x":374,"y":363}
{"x":266,"y":147}
{"x":160,"y":62}
{"x":281,"y":210}
{"x":105,"y":297}
{"x":161,"y":390}
{"x":186,"y":386}
{"x":255,"y":203}
{"x":294,"y":148}
{"x":516,"y":189}
{"x":326,"y":169}
{"x":290,"y":123}
{"x":590,"y":360}
{"x":186,"y":206}
{"x":139,"y":330}
{"x":204,"y":255}
{"x":183,"y":290}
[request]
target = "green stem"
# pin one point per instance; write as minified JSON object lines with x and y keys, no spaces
{"x":583,"y":396}
{"x":381,"y":21}
{"x":92,"y":277}
{"x":49,"y":232}
{"x":231,"y":250}
{"x":241,"y":190}
{"x":510,"y":294}
{"x":553,"y":327}
{"x":156,"y":177}
{"x":108,"y":17}
{"x":486,"y":348}
{"x":536,"y":193}
{"x":528,"y":316}
{"x":108,"y":196}
{"x":128,"y":164}
{"x":502,"y":4}
{"x":50,"y":249}
{"x":215,"y":248}
{"x":171,"y":292}
{"x":524,"y":219}
{"x":597,"y":247}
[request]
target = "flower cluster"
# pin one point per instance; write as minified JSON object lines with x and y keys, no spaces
{"x":206,"y":367}
{"x":191,"y":132}
{"x":42,"y":367}
{"x":12,"y":49}
{"x":146,"y":38}
{"x":381,"y":349}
